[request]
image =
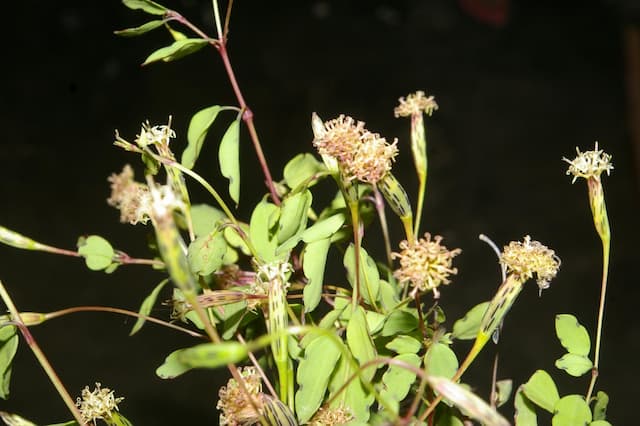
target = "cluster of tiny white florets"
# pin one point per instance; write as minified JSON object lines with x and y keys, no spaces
{"x":331,"y":416}
{"x":156,"y":135}
{"x":529,"y":258}
{"x":164,"y":201}
{"x":362,"y":155}
{"x":130,"y":197}
{"x":234,"y":403}
{"x":425,"y":263}
{"x":97,"y":404}
{"x":589,"y":164}
{"x":415,"y":104}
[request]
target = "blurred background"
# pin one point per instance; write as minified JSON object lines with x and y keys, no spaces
{"x":520,"y":84}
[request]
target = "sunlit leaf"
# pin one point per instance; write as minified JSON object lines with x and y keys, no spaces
{"x":441,"y":361}
{"x":573,"y":336}
{"x":600,"y":423}
{"x":600,"y":406}
{"x":206,"y":355}
{"x":571,"y":410}
{"x":388,"y":295}
{"x":369,"y":275}
{"x":354,"y":397}
{"x":575,"y":365}
{"x":8,"y":347}
{"x":293,"y":215}
{"x":197,"y":132}
{"x":313,"y":381}
{"x":313,"y":263}
{"x":398,"y":380}
{"x":148,"y":6}
{"x":503,"y":391}
{"x":142,"y":29}
{"x":404,"y":345}
{"x":359,"y":341}
{"x":146,"y":307}
{"x":97,"y":252}
{"x":229,"y":159}
{"x":525,"y":413}
{"x":399,"y":322}
{"x":324,"y":228}
{"x":468,"y":326}
{"x":263,"y":219}
{"x":300,"y":169}
{"x":235,"y":240}
{"x":206,"y":253}
{"x":205,"y":218}
{"x":541,"y":390}
{"x":178,"y":49}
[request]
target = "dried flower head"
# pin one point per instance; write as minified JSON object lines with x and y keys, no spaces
{"x":361,"y":154}
{"x":234,"y":404}
{"x":425,"y":263}
{"x":130,"y":197}
{"x":164,"y":201}
{"x":156,"y":135}
{"x":529,"y":258}
{"x":331,"y":416}
{"x":589,"y":164}
{"x":97,"y":404}
{"x":414,"y":104}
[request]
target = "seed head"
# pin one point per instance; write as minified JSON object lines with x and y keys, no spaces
{"x":97,"y":404}
{"x":130,"y":197}
{"x":425,"y":263}
{"x":529,"y":258}
{"x":234,"y":404}
{"x":156,"y":135}
{"x":414,"y":104}
{"x":330,"y":416}
{"x":589,"y":164}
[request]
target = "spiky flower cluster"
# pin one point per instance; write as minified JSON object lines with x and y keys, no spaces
{"x":234,"y":403}
{"x":425,"y":263}
{"x":331,"y":416}
{"x":589,"y":164}
{"x":156,"y":135}
{"x":415,"y":104}
{"x":529,"y":258}
{"x":130,"y":197}
{"x":362,"y":155}
{"x":97,"y":404}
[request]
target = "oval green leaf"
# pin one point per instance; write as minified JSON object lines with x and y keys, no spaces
{"x":313,"y":263}
{"x":574,"y":365}
{"x":397,"y":380}
{"x":206,"y":253}
{"x":97,"y":252}
{"x":260,"y":230}
{"x":293,"y":215}
{"x":369,"y":275}
{"x":300,"y":169}
{"x":468,"y":326}
{"x":359,"y":341}
{"x":404,"y":345}
{"x":9,"y":340}
{"x":324,"y":228}
{"x":229,"y":159}
{"x":148,"y":6}
{"x":525,"y":412}
{"x":441,"y":361}
{"x":205,"y":218}
{"x":573,"y":336}
{"x":600,"y":406}
{"x":571,"y":410}
{"x":198,"y":129}
{"x":176,"y":50}
{"x":541,"y":390}
{"x":146,"y":306}
{"x":399,"y":322}
{"x":206,"y":355}
{"x":144,"y":28}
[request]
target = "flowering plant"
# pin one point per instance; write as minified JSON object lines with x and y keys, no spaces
{"x":255,"y":292}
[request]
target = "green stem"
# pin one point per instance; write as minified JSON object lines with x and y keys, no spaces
{"x":42,"y":359}
{"x":355,"y":224}
{"x":379,"y":203}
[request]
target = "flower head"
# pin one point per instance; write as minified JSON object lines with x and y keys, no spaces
{"x":234,"y":403}
{"x":414,"y":104}
{"x":331,"y":416}
{"x":156,"y":135}
{"x":130,"y":197}
{"x":589,"y":164}
{"x":425,"y":263}
{"x":97,"y":404}
{"x":529,"y":258}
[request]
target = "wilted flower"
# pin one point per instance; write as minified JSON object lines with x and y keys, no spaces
{"x":425,"y":263}
{"x":130,"y":197}
{"x":331,"y":416}
{"x":97,"y":404}
{"x":156,"y":135}
{"x":234,"y":403}
{"x":589,"y":164}
{"x":414,"y":104}
{"x":529,"y":258}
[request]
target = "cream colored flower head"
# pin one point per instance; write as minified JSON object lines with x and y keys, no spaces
{"x":163,"y":201}
{"x":97,"y":404}
{"x":589,"y":164}
{"x":331,"y":416}
{"x":362,"y":155}
{"x":130,"y":197}
{"x":234,"y":404}
{"x":529,"y":258}
{"x":425,"y":263}
{"x":156,"y":135}
{"x":415,"y":104}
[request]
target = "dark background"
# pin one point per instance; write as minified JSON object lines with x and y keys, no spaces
{"x":514,"y":99}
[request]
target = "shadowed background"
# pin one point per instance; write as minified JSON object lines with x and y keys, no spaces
{"x":514,"y":99}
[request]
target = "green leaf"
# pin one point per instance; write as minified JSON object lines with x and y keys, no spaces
{"x":388,"y":296}
{"x":541,"y":390}
{"x":397,"y":380}
{"x":354,"y":397}
{"x":263,"y":219}
{"x":504,"y":388}
{"x":314,"y":259}
{"x":441,"y":361}
{"x":229,"y":159}
{"x":399,"y":322}
{"x":146,"y":306}
{"x":15,"y":420}
{"x":148,"y":6}
{"x":206,"y":253}
{"x":313,"y":381}
{"x":571,"y":410}
{"x":600,"y":423}
{"x":369,"y":275}
{"x":144,"y":28}
{"x":468,"y":326}
{"x":359,"y":341}
{"x":300,"y":169}
{"x":97,"y":252}
{"x":573,"y":336}
{"x":600,"y":406}
{"x":574,"y":365}
{"x":205,"y":218}
{"x":198,"y":129}
{"x":8,"y":347}
{"x":324,"y":228}
{"x":525,"y":414}
{"x":206,"y":355}
{"x":404,"y":345}
{"x":293,"y":215}
{"x":235,"y":240}
{"x":375,"y":321}
{"x":178,"y":49}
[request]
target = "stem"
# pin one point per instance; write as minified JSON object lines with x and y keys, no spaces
{"x":216,"y":15}
{"x":379,"y":203}
{"x":355,"y":224}
{"x":42,"y":359}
